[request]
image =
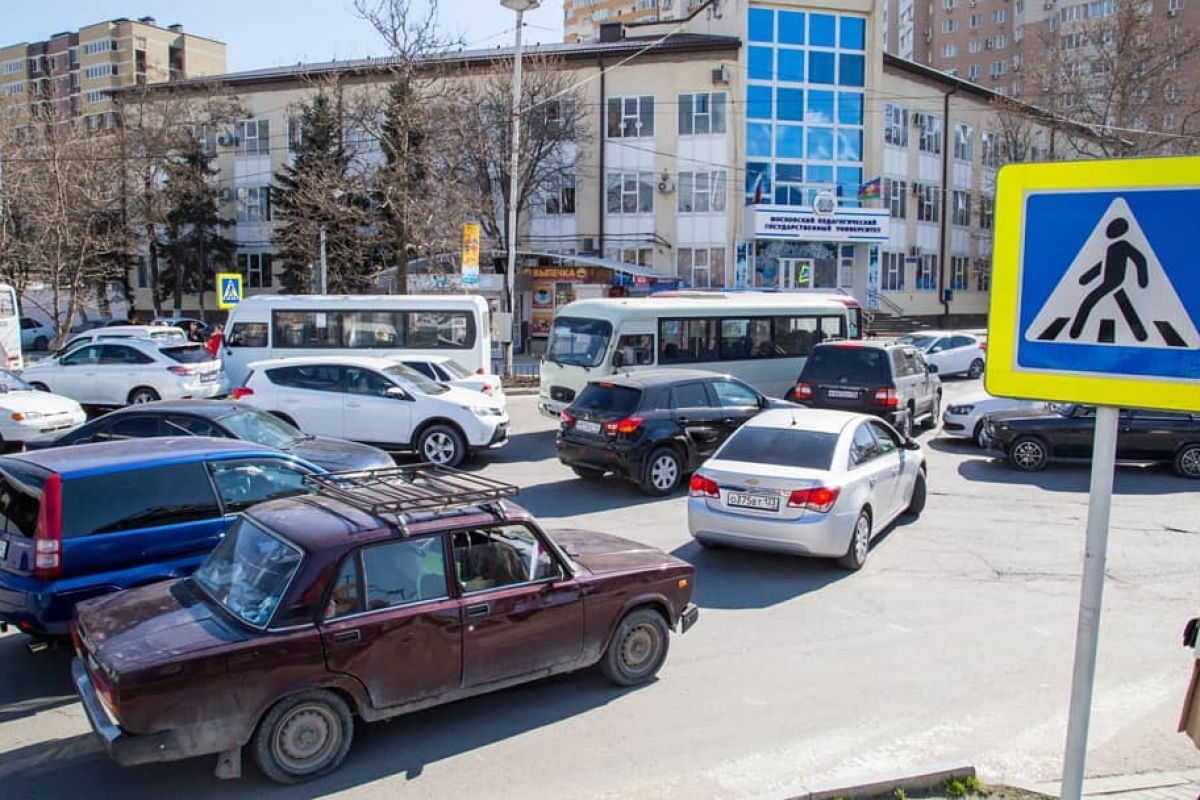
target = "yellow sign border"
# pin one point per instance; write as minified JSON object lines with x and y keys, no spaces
{"x":1003,"y":377}
{"x":221,"y":278}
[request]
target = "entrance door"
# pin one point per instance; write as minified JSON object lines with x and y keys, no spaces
{"x":798,"y":273}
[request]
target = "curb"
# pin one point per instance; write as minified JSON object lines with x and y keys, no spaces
{"x":923,"y":780}
{"x":1158,"y":784}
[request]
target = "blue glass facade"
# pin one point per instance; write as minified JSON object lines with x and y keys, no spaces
{"x":804,"y":105}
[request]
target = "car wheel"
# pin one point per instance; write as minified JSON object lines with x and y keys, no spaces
{"x":976,"y":368}
{"x":860,"y":543}
{"x":663,"y":472}
{"x":587,"y":473}
{"x":936,"y":413}
{"x":917,"y":503}
{"x":1187,"y":461}
{"x":1028,"y":454}
{"x":41,"y":387}
{"x":905,"y":423}
{"x":303,"y":737}
{"x":978,"y":435}
{"x":442,"y":445}
{"x":637,"y":649}
{"x":142,"y":395}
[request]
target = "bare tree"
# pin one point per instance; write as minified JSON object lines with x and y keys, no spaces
{"x":1117,"y":84}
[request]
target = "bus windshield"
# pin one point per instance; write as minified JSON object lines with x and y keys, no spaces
{"x":578,"y":341}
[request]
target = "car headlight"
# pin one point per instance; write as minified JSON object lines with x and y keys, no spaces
{"x":24,"y":416}
{"x":485,"y":411}
{"x":960,"y":410}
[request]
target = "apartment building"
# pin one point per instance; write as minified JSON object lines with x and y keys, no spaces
{"x":72,"y":74}
{"x":582,"y":18}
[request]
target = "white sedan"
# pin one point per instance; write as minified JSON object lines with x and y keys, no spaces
{"x":806,"y":481}
{"x":444,"y":369}
{"x":27,"y":415}
{"x":965,"y":417}
{"x":117,"y":372}
{"x":376,"y":401}
{"x":953,"y":352}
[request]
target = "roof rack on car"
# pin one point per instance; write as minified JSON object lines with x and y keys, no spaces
{"x":403,"y":490}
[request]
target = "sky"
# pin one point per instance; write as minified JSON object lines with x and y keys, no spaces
{"x":272,"y":33}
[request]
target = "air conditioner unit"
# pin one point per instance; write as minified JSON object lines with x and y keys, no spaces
{"x":1172,"y":12}
{"x":227,"y":140}
{"x":914,"y":251}
{"x":918,"y":120}
{"x":589,"y":244}
{"x":720,"y":74}
{"x":665,"y":184}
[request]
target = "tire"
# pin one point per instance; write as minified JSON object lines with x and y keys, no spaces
{"x":916,"y":503}
{"x":1028,"y":454}
{"x":588,"y":474}
{"x":143,"y":395}
{"x":40,"y":387}
{"x":976,"y":368}
{"x":303,"y":737}
{"x":662,"y":473}
{"x":977,"y":435}
{"x":637,"y":649}
{"x":905,"y":423}
{"x":935,"y":413}
{"x":441,"y":445}
{"x":1187,"y":461}
{"x":860,"y":543}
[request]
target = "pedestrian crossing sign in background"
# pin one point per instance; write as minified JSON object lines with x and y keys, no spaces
{"x":1096,"y":283}
{"x":229,"y":289}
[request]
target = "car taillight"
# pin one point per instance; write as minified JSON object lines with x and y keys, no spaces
{"x":817,"y":498}
{"x":487,"y":390}
{"x":566,"y":419}
{"x":181,"y":370}
{"x":104,"y":691}
{"x":887,"y":398}
{"x":804,"y":391}
{"x":241,"y":391}
{"x":703,"y":486}
{"x":47,"y":536}
{"x":14,"y":362}
{"x":627,"y":426}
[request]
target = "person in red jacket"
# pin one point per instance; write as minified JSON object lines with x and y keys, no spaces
{"x":213,"y":345}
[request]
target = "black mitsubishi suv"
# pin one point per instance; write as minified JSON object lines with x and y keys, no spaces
{"x":885,"y":378}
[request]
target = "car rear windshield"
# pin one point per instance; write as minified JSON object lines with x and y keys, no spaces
{"x":456,"y":369}
{"x":919,"y":341}
{"x":607,"y":397}
{"x":781,"y":448}
{"x":20,"y":497}
{"x":187,"y":353}
{"x":834,"y":363}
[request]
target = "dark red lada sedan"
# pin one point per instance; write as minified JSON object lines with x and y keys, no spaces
{"x":383,"y":593}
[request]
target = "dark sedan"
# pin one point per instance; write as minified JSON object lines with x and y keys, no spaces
{"x":1031,"y":439}
{"x":229,"y":420}
{"x":654,"y":427}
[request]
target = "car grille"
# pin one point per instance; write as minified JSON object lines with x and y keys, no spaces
{"x":562,"y":394}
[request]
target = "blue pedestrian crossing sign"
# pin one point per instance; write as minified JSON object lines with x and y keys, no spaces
{"x":1095,"y":283}
{"x":229,"y":289}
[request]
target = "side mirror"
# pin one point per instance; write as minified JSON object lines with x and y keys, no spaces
{"x":911,"y":444}
{"x":933,"y":368}
{"x":618,"y":359}
{"x":397,"y":393}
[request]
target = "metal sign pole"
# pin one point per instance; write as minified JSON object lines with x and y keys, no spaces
{"x":1087,"y":634}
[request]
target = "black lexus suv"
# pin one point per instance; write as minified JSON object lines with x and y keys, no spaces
{"x":885,"y":378}
{"x":653,"y":427}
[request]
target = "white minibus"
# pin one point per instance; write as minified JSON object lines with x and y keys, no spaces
{"x":762,"y":338}
{"x":278,"y":326}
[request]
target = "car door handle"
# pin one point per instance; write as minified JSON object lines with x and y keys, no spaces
{"x":347,"y":637}
{"x":872,"y":481}
{"x":683,"y":420}
{"x":479,"y":609}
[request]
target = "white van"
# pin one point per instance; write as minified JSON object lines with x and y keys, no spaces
{"x":270,"y":326}
{"x":158,"y":333}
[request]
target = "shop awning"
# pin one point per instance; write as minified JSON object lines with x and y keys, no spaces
{"x":633,"y":270}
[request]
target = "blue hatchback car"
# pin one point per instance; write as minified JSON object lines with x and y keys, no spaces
{"x":82,"y":521}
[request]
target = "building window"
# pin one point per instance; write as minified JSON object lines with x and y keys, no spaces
{"x":962,"y":209}
{"x":629,"y":192}
{"x":949,"y":25}
{"x":254,"y":137}
{"x":256,"y":269}
{"x":928,"y":202}
{"x":702,"y":113}
{"x":630,"y":117}
{"x":976,"y":20}
{"x":926,"y":278}
{"x":100,"y":46}
{"x":142,"y":273}
{"x":11,"y":67}
{"x":999,"y":41}
{"x":101,"y":71}
{"x":895,"y":125}
{"x":295,"y":134}
{"x":895,"y":197}
{"x":931,"y":134}
{"x":14,"y":89}
{"x":986,"y":214}
{"x":949,"y":50}
{"x":703,"y":267}
{"x":990,"y":144}
{"x":964,"y":144}
{"x":254,"y":204}
{"x":975,"y":46}
{"x":973,"y":72}
{"x":983,"y":277}
{"x":959,"y":267}
{"x":1000,"y":15}
{"x":892,"y":272}
{"x":559,"y":195}
{"x":641,"y":256}
{"x":701,"y":192}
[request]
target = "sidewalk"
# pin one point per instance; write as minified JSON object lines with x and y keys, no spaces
{"x":1183,"y":785}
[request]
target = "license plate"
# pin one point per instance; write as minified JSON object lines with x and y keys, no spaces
{"x":761,"y":502}
{"x":587,"y":426}
{"x":3,"y":549}
{"x":841,"y":393}
{"x":208,"y":377}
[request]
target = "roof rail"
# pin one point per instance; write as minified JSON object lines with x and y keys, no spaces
{"x":403,"y":490}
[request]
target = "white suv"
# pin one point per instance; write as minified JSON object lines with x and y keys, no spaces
{"x":379,"y":402}
{"x":116,"y":372}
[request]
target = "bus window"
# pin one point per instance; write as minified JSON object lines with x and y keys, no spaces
{"x":247,"y":334}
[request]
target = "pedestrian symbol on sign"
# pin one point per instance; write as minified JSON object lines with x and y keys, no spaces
{"x":1115,"y":292}
{"x":229,"y":289}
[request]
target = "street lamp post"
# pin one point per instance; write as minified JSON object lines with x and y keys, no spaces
{"x":519,"y":6}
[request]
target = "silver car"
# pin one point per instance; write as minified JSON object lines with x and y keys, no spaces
{"x":807,"y":481}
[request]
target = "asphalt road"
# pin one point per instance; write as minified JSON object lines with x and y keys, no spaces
{"x":954,"y":643}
